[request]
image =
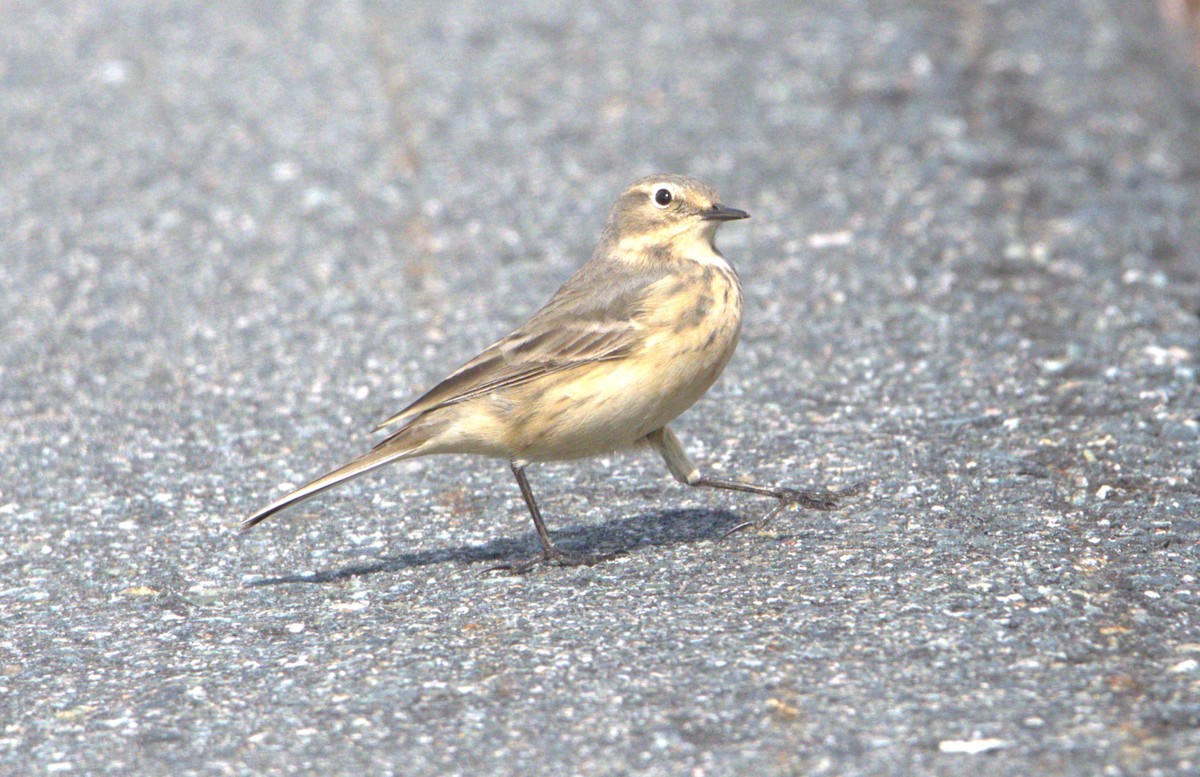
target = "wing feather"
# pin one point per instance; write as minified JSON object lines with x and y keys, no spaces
{"x":592,"y":318}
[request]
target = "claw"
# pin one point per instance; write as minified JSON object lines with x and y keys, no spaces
{"x":761,"y":522}
{"x":814,"y":499}
{"x":820,"y":499}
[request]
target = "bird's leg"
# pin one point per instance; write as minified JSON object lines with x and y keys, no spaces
{"x":551,"y":553}
{"x":667,"y":444}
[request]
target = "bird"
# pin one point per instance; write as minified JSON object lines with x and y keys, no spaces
{"x":628,"y":343}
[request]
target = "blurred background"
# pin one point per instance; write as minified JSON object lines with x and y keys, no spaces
{"x":235,"y":236}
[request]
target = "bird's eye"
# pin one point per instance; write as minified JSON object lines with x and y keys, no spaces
{"x":662,"y":198}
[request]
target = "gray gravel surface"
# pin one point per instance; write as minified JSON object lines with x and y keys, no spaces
{"x":233,"y":236}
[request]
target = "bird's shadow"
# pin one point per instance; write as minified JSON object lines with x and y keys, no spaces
{"x":656,"y":529}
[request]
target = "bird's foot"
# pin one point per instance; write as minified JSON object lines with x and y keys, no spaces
{"x":812,"y":499}
{"x":554,"y":557}
{"x":817,"y":498}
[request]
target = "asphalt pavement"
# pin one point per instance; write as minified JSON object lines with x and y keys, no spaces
{"x":235,"y":236}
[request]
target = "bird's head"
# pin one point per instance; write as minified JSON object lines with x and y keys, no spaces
{"x":667,"y":209}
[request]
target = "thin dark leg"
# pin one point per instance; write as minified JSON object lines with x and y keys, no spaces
{"x":814,"y":499}
{"x":531,"y":503}
{"x":551,"y":553}
{"x":665,"y":441}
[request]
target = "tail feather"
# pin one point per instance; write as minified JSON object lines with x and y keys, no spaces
{"x":377,"y":457}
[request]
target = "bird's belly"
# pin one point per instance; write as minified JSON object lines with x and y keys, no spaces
{"x":605,"y":406}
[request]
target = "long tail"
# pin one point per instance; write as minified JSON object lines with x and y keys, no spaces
{"x":385,"y":453}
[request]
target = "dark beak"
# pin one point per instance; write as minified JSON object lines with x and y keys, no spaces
{"x":721,"y":213}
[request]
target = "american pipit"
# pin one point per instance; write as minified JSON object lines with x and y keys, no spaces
{"x":629,"y":342}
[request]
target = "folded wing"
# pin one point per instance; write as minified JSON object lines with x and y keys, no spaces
{"x":592,"y":318}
